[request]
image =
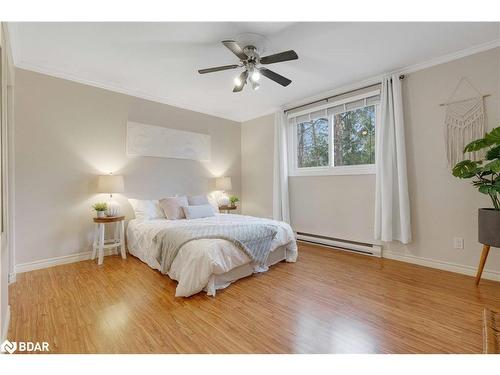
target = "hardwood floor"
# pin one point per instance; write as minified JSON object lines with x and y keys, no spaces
{"x":328,"y":302}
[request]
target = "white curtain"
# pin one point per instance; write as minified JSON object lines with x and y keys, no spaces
{"x":392,"y":203}
{"x":281,"y":206}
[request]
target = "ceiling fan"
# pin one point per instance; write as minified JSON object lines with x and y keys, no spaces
{"x":250,"y":61}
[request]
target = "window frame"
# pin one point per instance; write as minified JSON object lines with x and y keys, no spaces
{"x":359,"y":169}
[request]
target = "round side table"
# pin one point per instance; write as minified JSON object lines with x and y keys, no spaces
{"x":118,"y":239}
{"x":227,"y":208}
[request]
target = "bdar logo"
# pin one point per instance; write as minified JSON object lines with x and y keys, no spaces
{"x":8,"y":347}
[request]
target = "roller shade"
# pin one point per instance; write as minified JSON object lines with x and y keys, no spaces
{"x":334,"y":106}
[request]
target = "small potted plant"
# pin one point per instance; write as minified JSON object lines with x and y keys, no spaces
{"x":100,"y":209}
{"x":486,"y":178}
{"x":233,"y":199}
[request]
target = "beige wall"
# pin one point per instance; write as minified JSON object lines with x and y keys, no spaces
{"x":335,"y":206}
{"x":443,"y":207}
{"x":67,"y":133}
{"x":257,"y":148}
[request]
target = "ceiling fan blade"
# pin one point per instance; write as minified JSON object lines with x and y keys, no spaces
{"x":243,"y":79}
{"x":279,"y":57}
{"x":235,"y":48}
{"x":283,"y":81}
{"x":217,"y":69}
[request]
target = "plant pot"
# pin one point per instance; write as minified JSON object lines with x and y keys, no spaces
{"x":101,"y":214}
{"x":489,"y":227}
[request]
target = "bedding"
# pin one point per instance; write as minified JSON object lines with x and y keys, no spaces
{"x":253,"y":239}
{"x":146,"y":209}
{"x":198,"y":212}
{"x":198,"y":261}
{"x":198,"y":200}
{"x":172,"y":207}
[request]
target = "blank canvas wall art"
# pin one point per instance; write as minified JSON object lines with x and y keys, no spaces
{"x":157,"y":141}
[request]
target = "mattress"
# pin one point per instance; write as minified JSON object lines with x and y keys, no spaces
{"x":200,"y":263}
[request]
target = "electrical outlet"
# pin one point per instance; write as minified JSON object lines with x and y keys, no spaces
{"x":458,"y":243}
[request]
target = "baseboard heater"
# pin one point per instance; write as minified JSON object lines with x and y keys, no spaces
{"x":337,"y":243}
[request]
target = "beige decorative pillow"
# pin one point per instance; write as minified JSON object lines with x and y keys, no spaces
{"x":172,"y":207}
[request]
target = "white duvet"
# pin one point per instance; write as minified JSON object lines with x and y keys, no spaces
{"x":198,"y":260}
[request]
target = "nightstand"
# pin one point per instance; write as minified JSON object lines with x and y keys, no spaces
{"x":99,"y":232}
{"x":228,"y":209}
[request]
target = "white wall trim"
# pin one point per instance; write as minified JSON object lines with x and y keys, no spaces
{"x":193,"y":107}
{"x":5,"y":326}
{"x":450,"y":57}
{"x":122,"y":90}
{"x":12,"y":278}
{"x":441,"y":265}
{"x":18,"y":63}
{"x":405,"y":70}
{"x":332,"y":170}
{"x":65,"y":259}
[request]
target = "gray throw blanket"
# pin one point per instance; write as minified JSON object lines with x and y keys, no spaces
{"x":254,"y":239}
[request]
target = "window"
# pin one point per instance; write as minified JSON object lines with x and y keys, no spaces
{"x":312,"y":143}
{"x":354,"y":137}
{"x":337,"y":138}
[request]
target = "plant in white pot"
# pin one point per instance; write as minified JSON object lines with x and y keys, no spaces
{"x":233,"y":199}
{"x":486,"y":178}
{"x":100,"y":209}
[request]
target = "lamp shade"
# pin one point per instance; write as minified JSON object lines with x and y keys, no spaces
{"x":223,"y":183}
{"x":110,"y":183}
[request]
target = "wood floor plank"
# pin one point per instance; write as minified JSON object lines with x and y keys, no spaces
{"x":328,"y":302}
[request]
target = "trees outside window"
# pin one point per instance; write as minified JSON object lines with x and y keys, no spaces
{"x":338,"y":143}
{"x":312,"y":143}
{"x":354,"y":137}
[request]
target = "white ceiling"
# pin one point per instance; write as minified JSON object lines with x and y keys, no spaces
{"x":160,"y":60}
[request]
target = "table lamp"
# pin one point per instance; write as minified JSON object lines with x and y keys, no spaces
{"x":223,"y":184}
{"x":110,"y":184}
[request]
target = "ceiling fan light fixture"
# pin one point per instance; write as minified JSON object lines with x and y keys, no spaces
{"x":250,"y":61}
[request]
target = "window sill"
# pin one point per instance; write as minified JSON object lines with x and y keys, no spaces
{"x":334,"y":171}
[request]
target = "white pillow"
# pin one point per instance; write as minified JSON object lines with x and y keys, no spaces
{"x":198,"y":212}
{"x":146,"y":209}
{"x":198,"y":200}
{"x":172,"y":207}
{"x":213,"y":201}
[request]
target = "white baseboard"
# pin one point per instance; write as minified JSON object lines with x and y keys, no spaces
{"x":12,"y":278}
{"x":442,"y":265}
{"x":65,"y":259}
{"x":5,"y":325}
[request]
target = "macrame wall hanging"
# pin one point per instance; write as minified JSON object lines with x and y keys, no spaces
{"x":464,"y":121}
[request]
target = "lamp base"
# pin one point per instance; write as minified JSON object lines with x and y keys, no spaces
{"x":113,"y":208}
{"x":223,"y":200}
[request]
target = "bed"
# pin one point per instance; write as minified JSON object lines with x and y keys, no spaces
{"x":208,"y":264}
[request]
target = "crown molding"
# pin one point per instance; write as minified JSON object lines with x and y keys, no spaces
{"x":405,"y":70}
{"x":121,"y":90}
{"x":450,"y":57}
{"x":196,"y":108}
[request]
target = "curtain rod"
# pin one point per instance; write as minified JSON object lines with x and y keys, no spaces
{"x":334,"y":96}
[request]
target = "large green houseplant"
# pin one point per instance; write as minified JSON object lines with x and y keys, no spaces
{"x":485,"y":176}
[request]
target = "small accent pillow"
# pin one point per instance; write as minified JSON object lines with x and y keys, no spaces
{"x":198,"y":200}
{"x":198,"y":212}
{"x":172,"y":207}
